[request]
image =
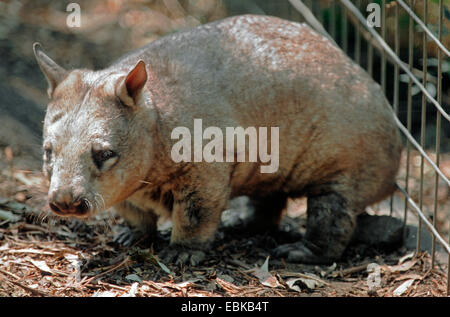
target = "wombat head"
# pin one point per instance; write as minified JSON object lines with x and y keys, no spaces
{"x":93,"y":145}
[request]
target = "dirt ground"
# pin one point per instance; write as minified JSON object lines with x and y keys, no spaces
{"x":41,"y":255}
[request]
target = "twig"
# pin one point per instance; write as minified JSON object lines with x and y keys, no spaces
{"x":354,"y":269}
{"x":238,"y":263}
{"x":115,"y":267}
{"x":10,"y":274}
{"x":31,"y":290}
{"x":246,"y":276}
{"x":113,"y":286}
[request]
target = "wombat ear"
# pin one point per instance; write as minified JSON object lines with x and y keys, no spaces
{"x":52,"y":71}
{"x":128,"y":88}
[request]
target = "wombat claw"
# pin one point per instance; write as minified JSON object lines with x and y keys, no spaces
{"x":298,"y":252}
{"x":125,"y":236}
{"x":182,"y":256}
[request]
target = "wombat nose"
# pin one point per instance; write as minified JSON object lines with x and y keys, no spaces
{"x":81,"y":206}
{"x":63,"y":203}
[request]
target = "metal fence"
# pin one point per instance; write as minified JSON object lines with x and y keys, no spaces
{"x":349,"y":20}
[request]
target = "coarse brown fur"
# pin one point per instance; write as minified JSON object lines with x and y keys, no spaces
{"x":338,"y":143}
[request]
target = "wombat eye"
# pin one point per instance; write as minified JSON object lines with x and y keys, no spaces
{"x":102,"y":158}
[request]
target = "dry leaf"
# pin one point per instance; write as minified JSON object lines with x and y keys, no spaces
{"x":229,"y":287}
{"x":41,"y":265}
{"x":187,"y":283}
{"x":408,"y":256}
{"x":298,"y":283}
{"x":134,"y":277}
{"x":133,"y":290}
{"x":162,"y":265}
{"x":403,"y":288}
{"x":264,"y":276}
{"x":292,"y":284}
{"x":75,"y":263}
{"x":402,"y":267}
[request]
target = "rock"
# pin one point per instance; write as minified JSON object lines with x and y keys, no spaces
{"x":379,"y":231}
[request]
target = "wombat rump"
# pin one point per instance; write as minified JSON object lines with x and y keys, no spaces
{"x":109,"y":137}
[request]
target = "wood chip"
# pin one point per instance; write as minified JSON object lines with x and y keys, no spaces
{"x":409,"y":276}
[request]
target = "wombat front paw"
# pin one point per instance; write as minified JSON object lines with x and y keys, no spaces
{"x":182,"y":256}
{"x":298,"y":252}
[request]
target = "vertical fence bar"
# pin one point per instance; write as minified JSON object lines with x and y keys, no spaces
{"x":409,"y":110}
{"x":295,"y":15}
{"x":396,"y":75}
{"x":344,"y":29}
{"x":333,"y":19}
{"x":396,"y":67}
{"x":370,"y":59}
{"x":383,"y":53}
{"x":317,"y":10}
{"x":320,"y":12}
{"x":438,"y":129}
{"x":358,"y":37}
{"x":423,"y":121}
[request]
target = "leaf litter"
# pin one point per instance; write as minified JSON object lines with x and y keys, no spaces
{"x":47,"y":256}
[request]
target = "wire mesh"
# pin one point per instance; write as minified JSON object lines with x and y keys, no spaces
{"x":341,"y":12}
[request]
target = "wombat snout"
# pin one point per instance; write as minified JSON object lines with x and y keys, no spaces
{"x":63,"y":203}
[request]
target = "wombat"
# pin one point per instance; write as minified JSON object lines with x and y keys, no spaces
{"x":109,"y":136}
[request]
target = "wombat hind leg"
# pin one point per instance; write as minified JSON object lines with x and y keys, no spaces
{"x":330,"y":226}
